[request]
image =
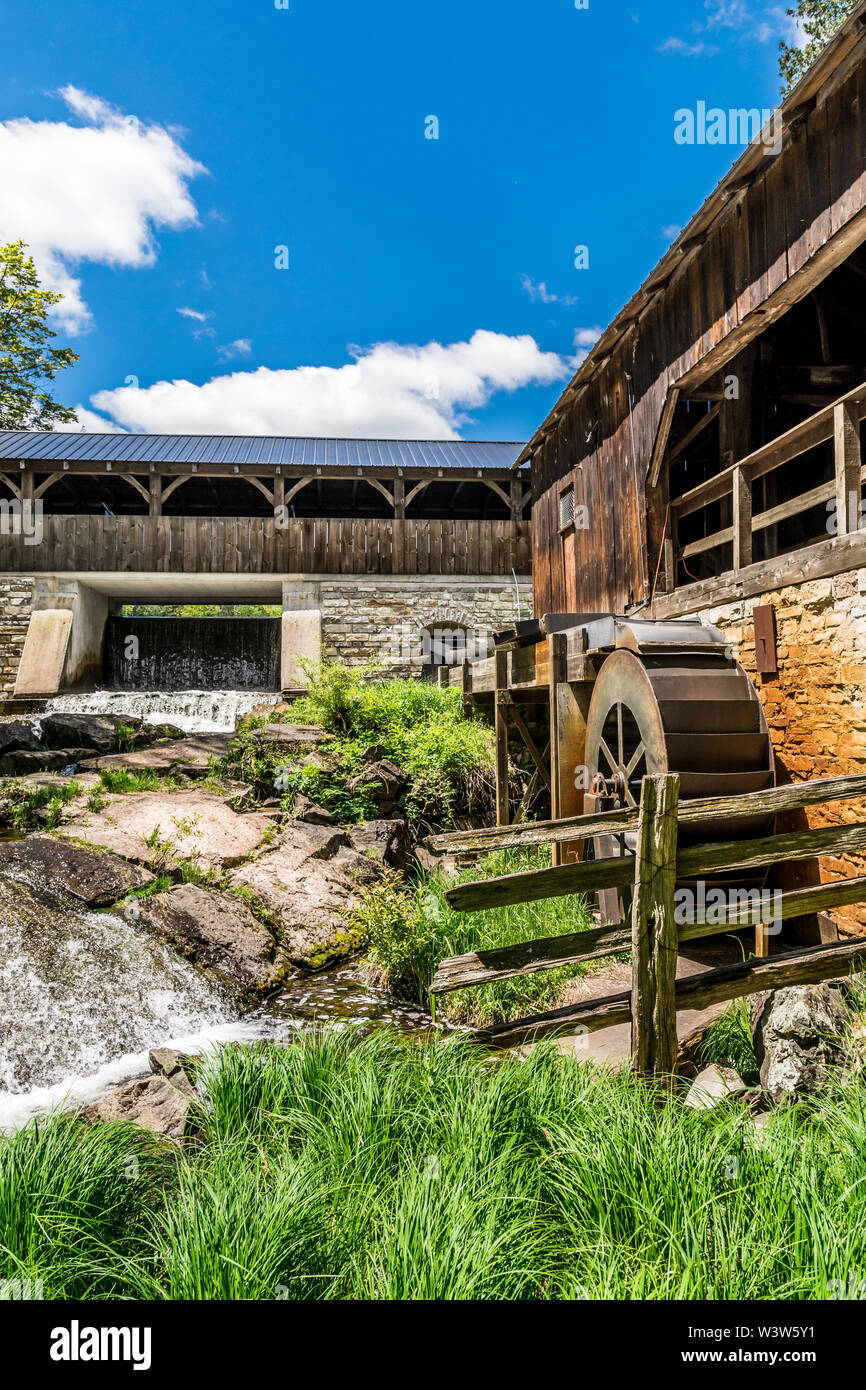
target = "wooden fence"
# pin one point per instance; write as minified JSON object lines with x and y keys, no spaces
{"x":257,"y":545}
{"x":839,"y":422}
{"x":654,"y":933}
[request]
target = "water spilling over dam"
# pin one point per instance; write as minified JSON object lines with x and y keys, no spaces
{"x":194,"y":711}
{"x":169,"y":654}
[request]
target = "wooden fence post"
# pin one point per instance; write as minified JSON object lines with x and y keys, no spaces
{"x":654,"y":933}
{"x":501,"y":720}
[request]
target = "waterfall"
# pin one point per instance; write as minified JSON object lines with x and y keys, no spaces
{"x":79,"y":989}
{"x":194,"y":711}
{"x":192,"y":654}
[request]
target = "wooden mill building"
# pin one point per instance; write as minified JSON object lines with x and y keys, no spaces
{"x":704,"y":465}
{"x":386,"y":550}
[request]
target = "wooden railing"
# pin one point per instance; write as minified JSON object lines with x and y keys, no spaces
{"x":654,"y":934}
{"x":840,"y":422}
{"x":257,"y":545}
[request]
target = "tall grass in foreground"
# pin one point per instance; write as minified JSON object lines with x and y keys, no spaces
{"x":410,"y":929}
{"x":341,"y":1168}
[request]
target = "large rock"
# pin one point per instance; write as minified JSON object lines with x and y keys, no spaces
{"x":382,"y":781}
{"x":287,"y":739}
{"x":91,"y":875}
{"x":163,"y":1103}
{"x":217,"y":931}
{"x":388,"y":841}
{"x":17,"y":737}
{"x":22,"y":764}
{"x":161,"y":828}
{"x":94,"y":731}
{"x":190,"y":756}
{"x":797,"y":1035}
{"x":308,"y":886}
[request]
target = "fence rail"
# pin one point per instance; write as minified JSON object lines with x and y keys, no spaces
{"x":257,"y":545}
{"x":839,"y":422}
{"x":654,"y":933}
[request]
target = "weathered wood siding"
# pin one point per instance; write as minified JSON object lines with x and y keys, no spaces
{"x":802,"y":214}
{"x":256,"y":545}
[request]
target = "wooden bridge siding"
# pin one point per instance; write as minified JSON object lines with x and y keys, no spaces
{"x":723,"y":293}
{"x":255,"y":545}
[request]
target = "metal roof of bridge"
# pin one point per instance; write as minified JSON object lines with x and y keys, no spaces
{"x":288,"y":452}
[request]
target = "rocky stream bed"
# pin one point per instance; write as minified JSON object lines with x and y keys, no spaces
{"x":175,"y":916}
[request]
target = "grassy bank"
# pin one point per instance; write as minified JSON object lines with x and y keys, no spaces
{"x":411,"y":928}
{"x":342,"y":1169}
{"x":415,"y":724}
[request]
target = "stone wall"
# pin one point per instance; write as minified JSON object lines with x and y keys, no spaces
{"x":378,"y":619}
{"x":816,"y":706}
{"x":16,"y":599}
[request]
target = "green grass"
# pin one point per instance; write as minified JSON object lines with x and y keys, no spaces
{"x":37,"y":808}
{"x":347,"y":1169}
{"x":136,"y":779}
{"x":729,"y":1042}
{"x":411,"y":929}
{"x":419,"y":726}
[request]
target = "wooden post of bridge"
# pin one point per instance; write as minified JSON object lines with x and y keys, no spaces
{"x":654,"y":932}
{"x":500,"y":709}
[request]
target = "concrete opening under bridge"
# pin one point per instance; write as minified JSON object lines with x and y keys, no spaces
{"x":72,"y":636}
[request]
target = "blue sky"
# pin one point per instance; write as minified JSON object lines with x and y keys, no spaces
{"x":194,"y":138}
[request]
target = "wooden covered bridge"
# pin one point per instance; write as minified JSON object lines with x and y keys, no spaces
{"x":369,"y":544}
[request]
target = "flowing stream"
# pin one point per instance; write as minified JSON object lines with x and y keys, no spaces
{"x":194,"y":711}
{"x":85,"y":995}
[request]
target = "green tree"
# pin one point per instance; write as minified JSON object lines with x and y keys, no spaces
{"x":27,"y":360}
{"x":819,"y":20}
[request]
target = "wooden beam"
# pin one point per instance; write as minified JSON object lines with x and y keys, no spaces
{"x":681,"y":445}
{"x":43,"y":487}
{"x":692,"y":862}
{"x":506,"y":962}
{"x":846,"y":439}
{"x":821,"y":560}
{"x":801,"y":902}
{"x":703,"y":811}
{"x":662,"y":436}
{"x":509,"y":702}
{"x":175,"y":484}
{"x":265,"y":491}
{"x":654,"y":938}
{"x":742,"y":493}
{"x":694,"y":992}
{"x":501,"y":728}
{"x":296,"y":487}
{"x":419,"y":487}
{"x":569,"y":705}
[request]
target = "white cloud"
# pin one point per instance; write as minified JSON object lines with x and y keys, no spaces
{"x":538,"y":290}
{"x":194,"y":314}
{"x":89,"y":422}
{"x":93,"y":192}
{"x":389,"y":390}
{"x":584,"y":340}
{"x":241,"y":347}
{"x":587,"y":337}
{"x":671,"y":232}
{"x":687,"y":50}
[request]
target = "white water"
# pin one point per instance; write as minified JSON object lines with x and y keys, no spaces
{"x":194,"y":711}
{"x":79,"y":989}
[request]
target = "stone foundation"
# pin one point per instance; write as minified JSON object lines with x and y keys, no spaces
{"x":816,"y":706}
{"x":396,"y":621}
{"x":16,"y":600}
